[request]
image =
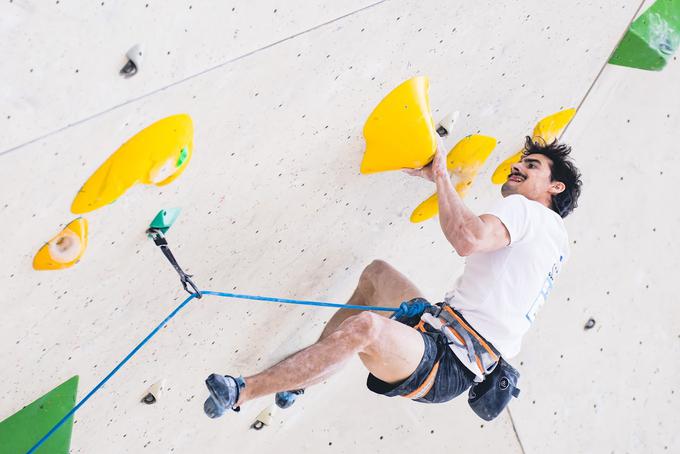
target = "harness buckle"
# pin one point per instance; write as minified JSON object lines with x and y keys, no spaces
{"x":459,"y":333}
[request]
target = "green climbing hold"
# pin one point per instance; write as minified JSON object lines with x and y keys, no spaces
{"x":23,"y":429}
{"x":182,"y":156}
{"x":164,"y":219}
{"x":652,"y":38}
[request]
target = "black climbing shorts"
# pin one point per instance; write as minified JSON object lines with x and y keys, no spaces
{"x":439,"y":377}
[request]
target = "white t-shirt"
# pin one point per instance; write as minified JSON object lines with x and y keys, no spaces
{"x":500,"y":292}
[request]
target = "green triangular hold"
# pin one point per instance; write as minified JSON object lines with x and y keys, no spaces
{"x":24,"y":428}
{"x":164,"y":219}
{"x":652,"y":38}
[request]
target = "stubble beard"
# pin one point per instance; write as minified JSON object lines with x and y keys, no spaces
{"x":507,"y":189}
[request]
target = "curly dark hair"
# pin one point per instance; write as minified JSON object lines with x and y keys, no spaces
{"x":562,"y":169}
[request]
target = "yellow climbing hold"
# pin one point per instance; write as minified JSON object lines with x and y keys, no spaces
{"x":468,"y":156}
{"x":552,"y":126}
{"x":426,"y":210}
{"x":501,"y":173}
{"x":464,"y":161}
{"x":65,"y":249}
{"x":546,"y":130}
{"x":399,"y":133}
{"x":156,"y":155}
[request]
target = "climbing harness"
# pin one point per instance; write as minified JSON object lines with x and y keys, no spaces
{"x":496,"y":384}
{"x":459,"y":333}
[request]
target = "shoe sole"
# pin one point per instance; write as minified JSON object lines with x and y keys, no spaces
{"x":211,"y":383}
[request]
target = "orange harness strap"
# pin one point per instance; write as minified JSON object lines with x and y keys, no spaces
{"x":489,"y":349}
{"x":455,"y":327}
{"x":426,"y":385}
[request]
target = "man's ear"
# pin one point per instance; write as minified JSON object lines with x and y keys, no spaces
{"x":556,"y":187}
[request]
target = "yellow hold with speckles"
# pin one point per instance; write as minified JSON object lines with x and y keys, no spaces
{"x":464,"y":161}
{"x":156,"y":155}
{"x":65,"y":249}
{"x":399,"y":132}
{"x":546,"y":130}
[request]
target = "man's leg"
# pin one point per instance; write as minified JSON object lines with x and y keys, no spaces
{"x":380,"y":284}
{"x":391,"y":356}
{"x":390,"y":350}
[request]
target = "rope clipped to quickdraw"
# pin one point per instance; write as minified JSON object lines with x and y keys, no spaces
{"x":156,"y":231}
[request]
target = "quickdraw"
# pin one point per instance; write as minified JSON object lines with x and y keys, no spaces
{"x":160,"y":241}
{"x":156,"y":231}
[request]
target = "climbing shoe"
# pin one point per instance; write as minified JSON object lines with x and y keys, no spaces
{"x":285,"y":399}
{"x":224,"y":393}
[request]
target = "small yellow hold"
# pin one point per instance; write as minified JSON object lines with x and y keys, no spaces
{"x":65,"y":249}
{"x":399,"y":133}
{"x":501,"y":173}
{"x":464,"y":161}
{"x":469,"y":154}
{"x":552,"y":126}
{"x":547,"y":130}
{"x":426,"y":210}
{"x":156,"y":155}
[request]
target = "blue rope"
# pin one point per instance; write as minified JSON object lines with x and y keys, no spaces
{"x":167,"y":319}
{"x":299,"y":302}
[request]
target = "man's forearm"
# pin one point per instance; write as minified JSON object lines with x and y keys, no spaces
{"x":460,"y":225}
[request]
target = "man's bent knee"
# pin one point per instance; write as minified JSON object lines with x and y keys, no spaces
{"x":375,"y":267}
{"x":369,"y":276}
{"x":363,"y":328}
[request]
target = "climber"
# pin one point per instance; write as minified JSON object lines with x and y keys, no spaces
{"x":514,"y":252}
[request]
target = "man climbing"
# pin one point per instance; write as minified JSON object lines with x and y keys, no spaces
{"x":433,"y":353}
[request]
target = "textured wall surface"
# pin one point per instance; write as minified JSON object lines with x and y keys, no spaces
{"x":273,"y":204}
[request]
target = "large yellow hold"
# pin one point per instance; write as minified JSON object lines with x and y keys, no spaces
{"x":399,"y":133}
{"x":65,"y":249}
{"x":156,"y":155}
{"x":547,"y":130}
{"x":464,"y":161}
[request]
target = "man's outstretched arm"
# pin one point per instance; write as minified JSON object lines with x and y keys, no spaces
{"x":467,"y":232}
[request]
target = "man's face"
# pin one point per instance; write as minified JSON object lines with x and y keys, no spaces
{"x":531,"y":178}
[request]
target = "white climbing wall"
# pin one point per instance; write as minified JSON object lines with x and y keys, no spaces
{"x":273,"y":204}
